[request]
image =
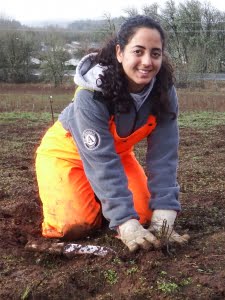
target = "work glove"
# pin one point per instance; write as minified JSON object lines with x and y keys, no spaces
{"x":134,"y":236}
{"x":162,"y":224}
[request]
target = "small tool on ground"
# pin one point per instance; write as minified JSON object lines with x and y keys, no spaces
{"x":67,"y":249}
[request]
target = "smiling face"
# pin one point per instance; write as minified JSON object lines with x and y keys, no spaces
{"x":141,"y":58}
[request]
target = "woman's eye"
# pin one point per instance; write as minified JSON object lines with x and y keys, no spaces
{"x":156,"y":54}
{"x":138,"y":52}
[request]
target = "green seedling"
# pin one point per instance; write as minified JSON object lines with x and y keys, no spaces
{"x":132,"y":270}
{"x":167,"y":287}
{"x":111,"y":276}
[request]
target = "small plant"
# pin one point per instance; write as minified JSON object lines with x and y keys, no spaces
{"x":164,"y":235}
{"x":26,"y":293}
{"x":167,"y":287}
{"x":186,"y":281}
{"x":163,"y":273}
{"x":117,"y":261}
{"x":30,"y":288}
{"x":111,"y":276}
{"x":143,"y":281}
{"x":132,"y":270}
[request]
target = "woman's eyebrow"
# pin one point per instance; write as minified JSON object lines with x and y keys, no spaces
{"x":157,"y":49}
{"x":139,"y":46}
{"x":142,"y":47}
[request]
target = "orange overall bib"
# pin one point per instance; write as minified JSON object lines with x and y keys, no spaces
{"x":70,"y":209}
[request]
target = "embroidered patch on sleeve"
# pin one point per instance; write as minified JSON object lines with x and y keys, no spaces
{"x":91,"y":139}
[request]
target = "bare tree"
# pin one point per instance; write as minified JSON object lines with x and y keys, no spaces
{"x":131,"y":11}
{"x":110,"y":25}
{"x":53,"y":59}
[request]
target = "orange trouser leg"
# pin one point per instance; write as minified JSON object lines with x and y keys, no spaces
{"x":70,"y":209}
{"x":137,"y":184}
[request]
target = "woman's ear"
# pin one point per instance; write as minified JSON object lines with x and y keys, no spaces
{"x":119,"y":53}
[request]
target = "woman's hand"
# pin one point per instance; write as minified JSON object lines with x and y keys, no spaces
{"x":134,"y":236}
{"x":162,"y":224}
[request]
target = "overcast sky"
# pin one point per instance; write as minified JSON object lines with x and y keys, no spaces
{"x":27,"y":11}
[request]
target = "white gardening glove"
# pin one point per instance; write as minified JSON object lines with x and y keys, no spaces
{"x":162,"y":224}
{"x":134,"y":236}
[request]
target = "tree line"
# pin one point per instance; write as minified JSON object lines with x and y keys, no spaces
{"x":195,"y":32}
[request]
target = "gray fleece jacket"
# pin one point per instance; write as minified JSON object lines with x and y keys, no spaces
{"x":87,"y":119}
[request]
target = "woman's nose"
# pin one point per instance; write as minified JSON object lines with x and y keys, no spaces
{"x":147,"y":60}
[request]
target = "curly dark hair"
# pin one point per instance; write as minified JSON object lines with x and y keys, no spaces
{"x":114,"y":83}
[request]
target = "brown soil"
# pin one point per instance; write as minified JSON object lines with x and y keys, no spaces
{"x":196,"y":271}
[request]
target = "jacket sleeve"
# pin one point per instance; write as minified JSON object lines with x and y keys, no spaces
{"x":89,"y":126}
{"x":162,"y":161}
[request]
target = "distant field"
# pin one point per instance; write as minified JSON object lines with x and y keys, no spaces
{"x":201,"y":100}
{"x":36,"y":98}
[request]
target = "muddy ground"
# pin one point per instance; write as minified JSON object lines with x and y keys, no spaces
{"x":196,"y":271}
